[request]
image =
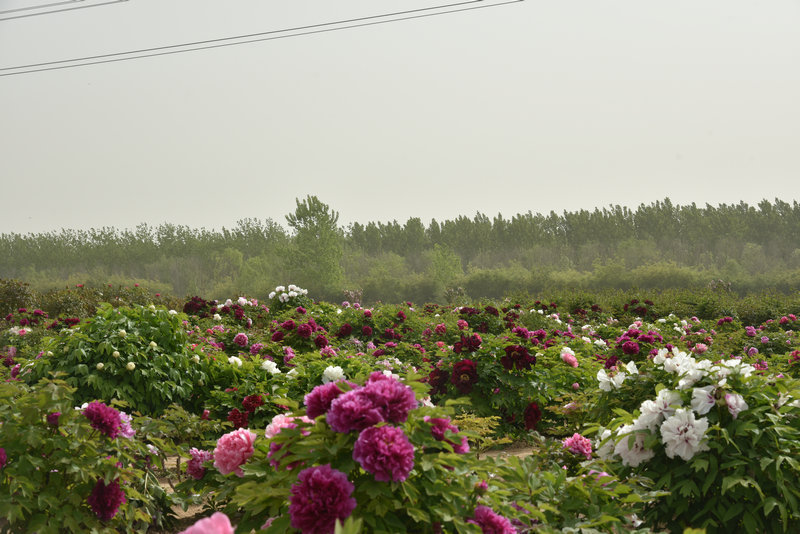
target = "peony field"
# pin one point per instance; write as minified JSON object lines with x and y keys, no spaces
{"x":123,"y":410}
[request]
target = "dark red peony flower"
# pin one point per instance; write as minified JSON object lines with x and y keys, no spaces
{"x":239,"y":419}
{"x":465,"y":375}
{"x":105,"y":500}
{"x":251,"y":402}
{"x":532,"y":416}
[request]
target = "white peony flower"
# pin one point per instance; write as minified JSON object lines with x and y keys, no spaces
{"x":332,"y":374}
{"x":683,"y":435}
{"x":152,"y":307}
{"x":229,"y":302}
{"x":292,"y":372}
{"x":235,"y":360}
{"x":653,"y":412}
{"x":609,"y":382}
{"x":735,"y":403}
{"x":292,"y":294}
{"x":271,"y":366}
{"x":703,"y":399}
{"x":271,"y":295}
{"x":631,"y":446}
{"x":605,"y":450}
{"x":217,"y":317}
{"x":242,"y":301}
{"x":631,"y":367}
{"x":280,"y":289}
{"x":173,"y":312}
{"x":196,"y":358}
{"x":600,"y":343}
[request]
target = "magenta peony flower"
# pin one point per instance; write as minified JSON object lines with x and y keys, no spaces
{"x":440,"y":328}
{"x":3,"y":458}
{"x":304,"y":330}
{"x":386,"y":452}
{"x":233,"y":450}
{"x":320,"y":497}
{"x":255,"y":348}
{"x":490,"y":522}
{"x":103,"y":418}
{"x":366,"y":330}
{"x":216,"y":524}
{"x":392,"y":398}
{"x":439,"y":427}
{"x":321,"y":341}
{"x":318,"y":402}
{"x":353,"y":410}
{"x":106,"y":500}
{"x":630,"y":347}
{"x":195,"y":467}
{"x":240,"y":339}
{"x":52,"y":418}
{"x":277,"y":336}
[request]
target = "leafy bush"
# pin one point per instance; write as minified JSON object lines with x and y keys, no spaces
{"x":138,"y":355}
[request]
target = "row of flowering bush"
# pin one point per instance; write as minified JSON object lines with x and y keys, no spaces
{"x":368,"y":398}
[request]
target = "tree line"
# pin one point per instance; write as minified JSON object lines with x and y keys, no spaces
{"x":657,"y":245}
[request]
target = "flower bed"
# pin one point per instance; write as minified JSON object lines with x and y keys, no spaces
{"x":295,"y":415}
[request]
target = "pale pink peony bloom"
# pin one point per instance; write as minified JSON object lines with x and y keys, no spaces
{"x":216,"y":524}
{"x":568,"y":357}
{"x":233,"y":450}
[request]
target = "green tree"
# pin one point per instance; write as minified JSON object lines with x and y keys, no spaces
{"x":317,"y":248}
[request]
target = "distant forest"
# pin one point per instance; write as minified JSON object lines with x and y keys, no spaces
{"x":657,"y":246}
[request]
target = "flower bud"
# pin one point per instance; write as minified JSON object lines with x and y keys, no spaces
{"x":122,"y":333}
{"x":115,"y":354}
{"x":153,"y":344}
{"x":131,"y":366}
{"x":100,"y":366}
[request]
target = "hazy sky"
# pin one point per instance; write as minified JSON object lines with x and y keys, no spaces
{"x":537,"y":105}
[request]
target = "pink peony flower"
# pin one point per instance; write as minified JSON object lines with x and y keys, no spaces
{"x":578,"y":444}
{"x":281,"y":421}
{"x":233,"y":450}
{"x":320,"y":497}
{"x":216,"y":524}
{"x":195,"y":467}
{"x":240,"y":339}
{"x":125,"y":429}
{"x":386,"y":452}
{"x":569,"y":358}
{"x":490,"y":522}
{"x":440,"y":328}
{"x":105,"y":500}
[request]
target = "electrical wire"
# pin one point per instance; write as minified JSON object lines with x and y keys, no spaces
{"x":168,"y":50}
{"x":41,"y":6}
{"x":61,"y":10}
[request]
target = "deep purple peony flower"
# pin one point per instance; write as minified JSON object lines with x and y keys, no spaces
{"x":386,"y":452}
{"x":106,"y":500}
{"x":319,"y":400}
{"x":320,"y":497}
{"x":353,"y":410}
{"x":465,"y":374}
{"x":103,"y":418}
{"x":439,"y":427}
{"x":195,"y":467}
{"x":393,"y":399}
{"x":490,"y":522}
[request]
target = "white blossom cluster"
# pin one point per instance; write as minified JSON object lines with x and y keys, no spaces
{"x":285,"y":294}
{"x":681,"y":428}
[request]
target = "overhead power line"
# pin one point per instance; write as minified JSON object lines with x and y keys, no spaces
{"x":61,"y":10}
{"x":254,"y":37}
{"x":40,"y":6}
